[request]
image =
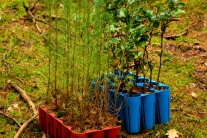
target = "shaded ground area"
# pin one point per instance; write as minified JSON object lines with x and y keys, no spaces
{"x":194,"y":47}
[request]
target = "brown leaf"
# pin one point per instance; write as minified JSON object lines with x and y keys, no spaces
{"x":172,"y":133}
{"x":135,"y":88}
{"x":194,"y":95}
{"x":158,"y":135}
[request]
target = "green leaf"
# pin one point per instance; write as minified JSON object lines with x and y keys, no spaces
{"x":140,"y":54}
{"x":121,"y":46}
{"x":120,"y":54}
{"x":156,"y":34}
{"x":116,"y":50}
{"x":132,"y":30}
{"x":113,"y":28}
{"x":148,"y":13}
{"x":123,"y":12}
{"x":171,"y":4}
{"x":142,"y":29}
{"x":180,"y":5}
{"x":164,"y":17}
{"x":131,"y":1}
{"x":138,"y":19}
{"x":159,"y":5}
{"x":179,"y":11}
{"x":156,"y":24}
{"x":114,"y":40}
{"x":152,"y":18}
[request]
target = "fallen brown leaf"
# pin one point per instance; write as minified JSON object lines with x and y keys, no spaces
{"x":194,"y":95}
{"x":158,"y":135}
{"x":172,"y":133}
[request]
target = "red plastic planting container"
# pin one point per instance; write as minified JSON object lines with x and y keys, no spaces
{"x":112,"y":132}
{"x":50,"y":118}
{"x":58,"y":128}
{"x":55,"y":128}
{"x":42,"y":118}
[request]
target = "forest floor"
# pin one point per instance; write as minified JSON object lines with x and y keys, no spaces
{"x":185,"y":70}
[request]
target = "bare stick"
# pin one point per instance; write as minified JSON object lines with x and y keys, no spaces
{"x":10,"y":118}
{"x":34,"y":21}
{"x":21,"y":129}
{"x":29,"y":102}
{"x":30,"y":12}
{"x":24,"y":96}
{"x":173,"y":37}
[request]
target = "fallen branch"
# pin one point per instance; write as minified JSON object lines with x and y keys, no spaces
{"x":34,"y":21}
{"x":37,"y":20}
{"x":21,"y":129}
{"x":173,"y":37}
{"x":53,"y":17}
{"x":30,"y":12}
{"x":29,"y":102}
{"x":175,"y":19}
{"x":10,"y":118}
{"x":24,"y":96}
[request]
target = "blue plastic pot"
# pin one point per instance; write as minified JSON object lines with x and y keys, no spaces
{"x":132,"y":114}
{"x":163,"y":105}
{"x":148,"y":110}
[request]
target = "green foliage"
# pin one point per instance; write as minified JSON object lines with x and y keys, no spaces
{"x":132,"y":26}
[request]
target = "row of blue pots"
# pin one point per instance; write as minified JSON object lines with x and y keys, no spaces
{"x":140,"y":111}
{"x":143,"y":111}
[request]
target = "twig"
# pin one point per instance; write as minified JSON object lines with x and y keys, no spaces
{"x":24,"y":96}
{"x":29,"y":102}
{"x":173,"y":37}
{"x":11,"y":118}
{"x":175,"y":19}
{"x":21,"y":129}
{"x":34,"y":21}
{"x":30,"y":12}
{"x":37,"y":20}
{"x":53,"y":17}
